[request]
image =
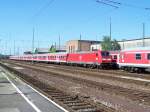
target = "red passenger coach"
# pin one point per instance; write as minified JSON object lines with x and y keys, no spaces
{"x":135,"y":60}
{"x":101,"y":58}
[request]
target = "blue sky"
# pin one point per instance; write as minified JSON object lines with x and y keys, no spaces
{"x":69,"y":19}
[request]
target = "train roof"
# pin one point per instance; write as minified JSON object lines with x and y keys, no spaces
{"x":42,"y":54}
{"x":81,"y":52}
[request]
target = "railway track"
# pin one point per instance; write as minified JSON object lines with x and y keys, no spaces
{"x":120,"y":78}
{"x":71,"y":103}
{"x":141,"y":97}
{"x":95,"y":72}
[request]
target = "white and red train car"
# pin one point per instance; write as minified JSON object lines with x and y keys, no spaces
{"x":94,"y":58}
{"x":51,"y":57}
{"x":135,"y":60}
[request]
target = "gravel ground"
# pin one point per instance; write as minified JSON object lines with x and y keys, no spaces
{"x":117,"y":102}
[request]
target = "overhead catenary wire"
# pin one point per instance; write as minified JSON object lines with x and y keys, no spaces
{"x":110,"y":1}
{"x":116,"y":4}
{"x":105,"y":3}
{"x":43,"y":8}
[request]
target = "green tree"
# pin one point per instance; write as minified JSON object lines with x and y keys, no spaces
{"x":115,"y":45}
{"x":109,"y":45}
{"x":106,"y":43}
{"x":36,"y":51}
{"x":52,"y":49}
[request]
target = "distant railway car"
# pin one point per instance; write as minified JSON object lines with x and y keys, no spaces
{"x":51,"y":57}
{"x":135,"y":60}
{"x":57,"y":57}
{"x":101,"y":58}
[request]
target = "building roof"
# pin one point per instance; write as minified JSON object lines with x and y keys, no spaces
{"x":93,"y":41}
{"x":61,"y":47}
{"x":133,"y":39}
{"x":42,"y":49}
{"x":137,"y":48}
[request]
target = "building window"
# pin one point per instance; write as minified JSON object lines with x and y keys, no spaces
{"x":138,"y":56}
{"x":71,"y":49}
{"x":148,"y":56}
{"x":92,"y":48}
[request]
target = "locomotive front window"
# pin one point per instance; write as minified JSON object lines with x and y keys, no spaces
{"x":104,"y":54}
{"x":148,"y":56}
{"x":138,"y":56}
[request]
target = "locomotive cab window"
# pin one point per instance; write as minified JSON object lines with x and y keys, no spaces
{"x":138,"y":56}
{"x":148,"y":56}
{"x":104,"y":54}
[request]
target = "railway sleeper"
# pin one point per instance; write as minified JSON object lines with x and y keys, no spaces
{"x":65,"y":98}
{"x":68,"y":102}
{"x":49,"y":90}
{"x":78,"y":104}
{"x":84,"y":109}
{"x":62,"y":97}
{"x":144,"y":96}
{"x":89,"y":110}
{"x":55,"y":94}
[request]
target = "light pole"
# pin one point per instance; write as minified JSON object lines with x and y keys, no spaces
{"x":143,"y":34}
{"x":33,"y":43}
{"x":110,"y":28}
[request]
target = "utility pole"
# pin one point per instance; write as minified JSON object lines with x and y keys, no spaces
{"x":14,"y":47}
{"x":80,"y":42}
{"x":1,"y":48}
{"x":33,"y":40}
{"x":55,"y":45}
{"x":38,"y":44}
{"x":110,"y":28}
{"x":33,"y":43}
{"x":143,"y":34}
{"x":6,"y":47}
{"x":18,"y":51}
{"x":9,"y":51}
{"x":59,"y":41}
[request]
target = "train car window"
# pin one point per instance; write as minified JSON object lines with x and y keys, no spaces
{"x":148,"y":56}
{"x":138,"y":56}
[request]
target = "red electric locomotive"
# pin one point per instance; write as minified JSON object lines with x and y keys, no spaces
{"x":91,"y":59}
